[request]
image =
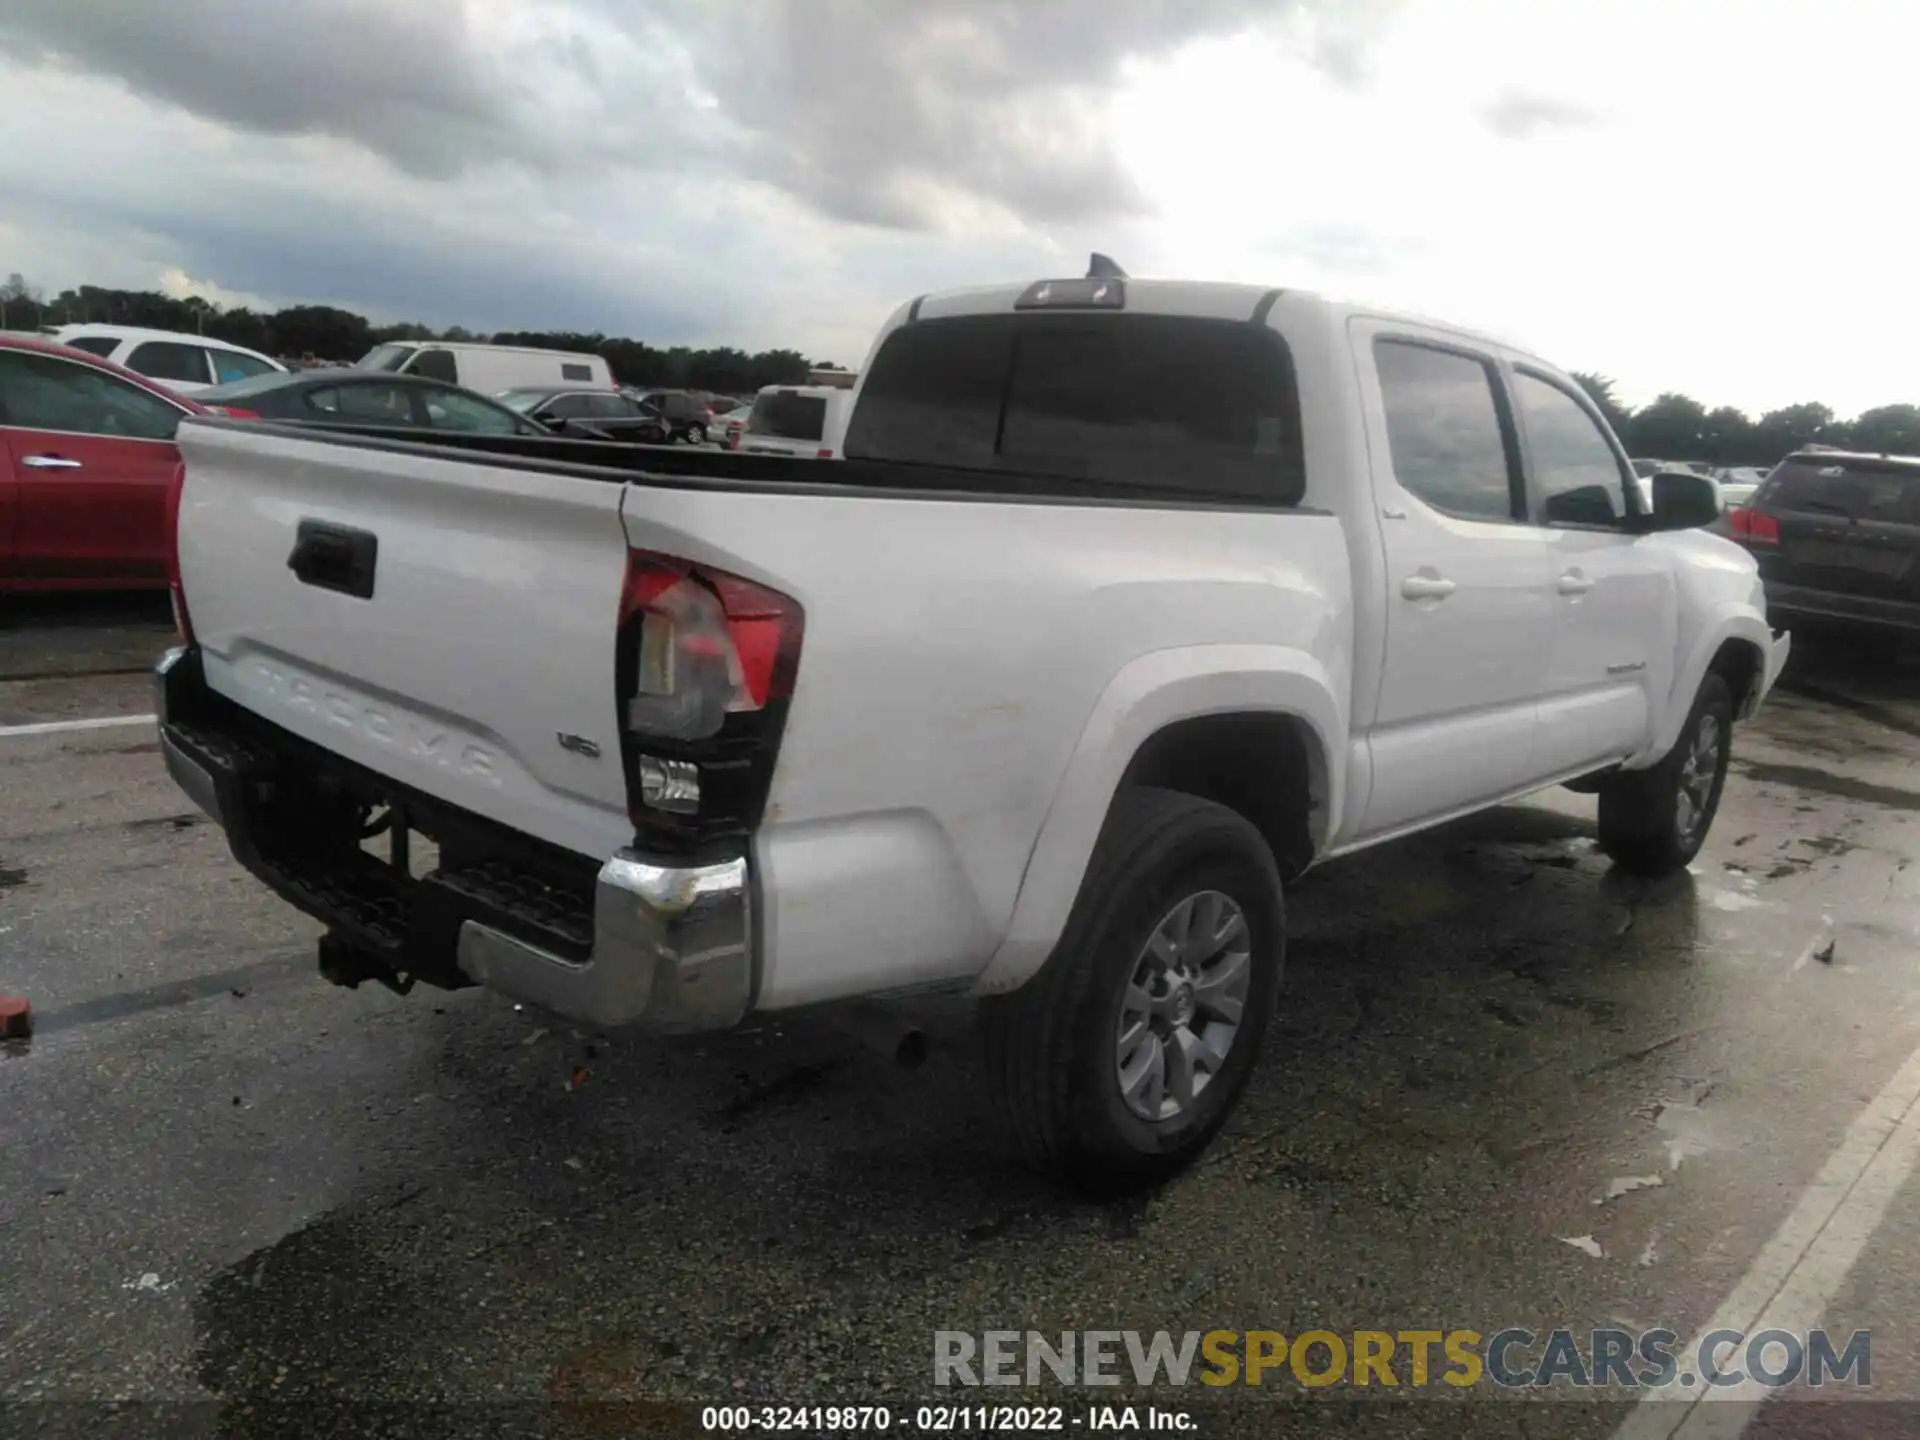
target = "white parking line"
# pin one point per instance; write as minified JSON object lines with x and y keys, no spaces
{"x":1798,"y":1272}
{"x":61,"y":727}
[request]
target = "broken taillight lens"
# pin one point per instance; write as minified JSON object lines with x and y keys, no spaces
{"x":707,"y":644}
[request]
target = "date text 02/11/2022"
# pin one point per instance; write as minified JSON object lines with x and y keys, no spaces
{"x":945,"y":1419}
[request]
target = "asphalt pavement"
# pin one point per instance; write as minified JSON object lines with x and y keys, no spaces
{"x":244,"y":1202}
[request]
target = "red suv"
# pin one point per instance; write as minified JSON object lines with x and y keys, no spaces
{"x":86,"y":470}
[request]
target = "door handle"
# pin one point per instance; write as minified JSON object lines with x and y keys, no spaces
{"x":1573,"y":583}
{"x":49,"y":462}
{"x":1426,"y":587}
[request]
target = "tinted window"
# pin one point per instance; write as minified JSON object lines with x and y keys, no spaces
{"x":386,"y":357}
{"x":457,"y":410}
{"x":1576,"y":475}
{"x":576,"y":372}
{"x":609,"y":405}
{"x":101,"y":345}
{"x":1443,"y":429}
{"x":1149,"y":402}
{"x":671,"y":403}
{"x":567,"y":407}
{"x":230,"y":365}
{"x":1855,"y":488}
{"x":38,"y":392}
{"x":435,"y":365}
{"x":251,"y":388}
{"x":165,"y":360}
{"x":788,"y":416}
{"x":376,"y":403}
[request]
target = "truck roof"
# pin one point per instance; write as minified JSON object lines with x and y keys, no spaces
{"x":1210,"y":299}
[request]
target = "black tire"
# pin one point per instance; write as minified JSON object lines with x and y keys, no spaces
{"x":1644,"y":827}
{"x":1053,"y":1045}
{"x":696,"y":434}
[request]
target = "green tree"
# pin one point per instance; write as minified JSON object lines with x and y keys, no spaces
{"x":1599,"y":389}
{"x":1780,"y":432}
{"x":1886,"y":430}
{"x":1671,"y":428}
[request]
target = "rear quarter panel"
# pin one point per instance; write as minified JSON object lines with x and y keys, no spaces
{"x":958,"y":654}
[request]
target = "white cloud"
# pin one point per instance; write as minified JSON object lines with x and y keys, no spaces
{"x":1683,"y":194}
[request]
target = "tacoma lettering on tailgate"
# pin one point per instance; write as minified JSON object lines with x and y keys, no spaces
{"x":407,"y":734}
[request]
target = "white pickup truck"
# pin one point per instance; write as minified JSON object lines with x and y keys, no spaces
{"x":1130,"y":601}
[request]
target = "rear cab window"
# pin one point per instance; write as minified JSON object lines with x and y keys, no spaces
{"x":786,"y":415}
{"x":101,"y":345}
{"x":1147,"y":404}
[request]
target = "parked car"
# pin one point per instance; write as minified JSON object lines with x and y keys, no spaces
{"x":688,"y":418}
{"x":607,"y":414}
{"x":1738,"y":484}
{"x":800,"y":420}
{"x":1837,"y":538}
{"x":359,"y":397}
{"x":489,"y":369}
{"x":1130,"y":601}
{"x":87,"y":468}
{"x":185,"y":364}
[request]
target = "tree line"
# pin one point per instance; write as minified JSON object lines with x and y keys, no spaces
{"x":324,"y":332}
{"x":1678,"y":427}
{"x":1671,"y":427}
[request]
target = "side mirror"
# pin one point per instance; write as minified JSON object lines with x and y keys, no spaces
{"x":554,"y":423}
{"x":1683,"y":501}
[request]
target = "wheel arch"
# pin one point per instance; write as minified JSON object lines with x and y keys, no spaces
{"x":1735,"y":642}
{"x":1198,"y":720}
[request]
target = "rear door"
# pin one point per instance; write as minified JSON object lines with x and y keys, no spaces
{"x":1469,"y":603}
{"x":92,"y":460}
{"x":1847,"y":526}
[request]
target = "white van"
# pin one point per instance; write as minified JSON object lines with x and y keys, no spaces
{"x":800,"y":420}
{"x":489,"y":369}
{"x":183,"y":363}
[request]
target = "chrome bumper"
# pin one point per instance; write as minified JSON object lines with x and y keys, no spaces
{"x":672,"y":944}
{"x":672,"y":950}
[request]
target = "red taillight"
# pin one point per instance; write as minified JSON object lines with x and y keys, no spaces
{"x":1755,"y":527}
{"x":707,"y":644}
{"x":824,"y":455}
{"x":181,"y":620}
{"x":733,"y":437}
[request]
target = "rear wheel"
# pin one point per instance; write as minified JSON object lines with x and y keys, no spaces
{"x":1122,"y":1058}
{"x":697,"y":434}
{"x":1654,"y":821}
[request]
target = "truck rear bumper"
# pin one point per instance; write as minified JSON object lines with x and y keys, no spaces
{"x":647,"y":940}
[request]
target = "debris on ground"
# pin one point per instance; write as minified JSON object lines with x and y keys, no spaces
{"x":16,"y":1017}
{"x":1586,"y":1243}
{"x":574,"y":1162}
{"x":1651,"y":1253}
{"x":1819,"y":948}
{"x":1626,"y":1185}
{"x":578,"y":1078}
{"x":533,"y":1036}
{"x":149,"y":1284}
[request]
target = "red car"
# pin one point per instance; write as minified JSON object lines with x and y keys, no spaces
{"x":87,"y":462}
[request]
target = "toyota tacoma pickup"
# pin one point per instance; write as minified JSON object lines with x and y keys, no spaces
{"x":1130,"y":601}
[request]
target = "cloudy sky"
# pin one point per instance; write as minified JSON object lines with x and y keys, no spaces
{"x":1683,"y":194}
